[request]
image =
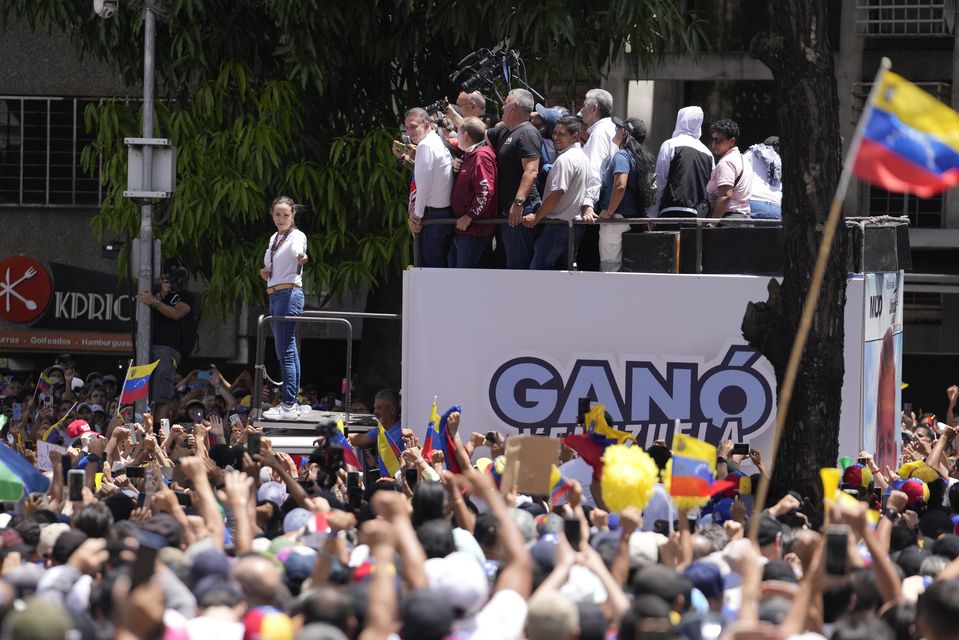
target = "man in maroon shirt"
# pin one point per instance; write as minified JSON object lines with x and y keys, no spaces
{"x":473,"y":197}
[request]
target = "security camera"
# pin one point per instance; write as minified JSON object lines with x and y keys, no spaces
{"x":105,"y":8}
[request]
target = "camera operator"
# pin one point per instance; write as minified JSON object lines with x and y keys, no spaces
{"x":470,"y":105}
{"x":168,"y":307}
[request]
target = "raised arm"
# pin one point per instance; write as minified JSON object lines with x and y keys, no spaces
{"x":516,"y":567}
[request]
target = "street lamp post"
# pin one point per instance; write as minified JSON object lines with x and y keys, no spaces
{"x":151,"y":175}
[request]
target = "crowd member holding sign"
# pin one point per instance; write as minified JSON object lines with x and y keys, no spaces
{"x":283,"y":272}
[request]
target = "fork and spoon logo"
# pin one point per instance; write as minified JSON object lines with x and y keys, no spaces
{"x":24,"y":290}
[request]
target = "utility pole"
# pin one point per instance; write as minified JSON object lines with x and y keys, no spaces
{"x":145,"y":253}
{"x":151,"y":175}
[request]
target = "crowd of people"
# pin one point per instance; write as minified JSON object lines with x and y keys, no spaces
{"x":544,"y":164}
{"x":205,"y":530}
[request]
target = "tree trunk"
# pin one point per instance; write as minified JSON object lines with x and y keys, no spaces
{"x":798,"y":52}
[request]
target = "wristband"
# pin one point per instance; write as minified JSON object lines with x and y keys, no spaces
{"x":518,"y":202}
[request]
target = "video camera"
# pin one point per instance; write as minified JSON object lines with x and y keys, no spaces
{"x":485,"y":68}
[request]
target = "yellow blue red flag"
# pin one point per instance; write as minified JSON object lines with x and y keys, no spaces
{"x":694,"y":467}
{"x":388,"y":449}
{"x":137,"y":382}
{"x":339,"y":437}
{"x":910,"y":142}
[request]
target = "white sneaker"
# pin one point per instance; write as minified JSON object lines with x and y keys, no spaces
{"x":305,"y":408}
{"x":281,"y":412}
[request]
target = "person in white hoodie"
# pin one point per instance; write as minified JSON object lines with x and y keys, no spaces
{"x":683,"y":167}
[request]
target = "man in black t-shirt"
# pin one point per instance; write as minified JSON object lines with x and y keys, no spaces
{"x":517,"y":144}
{"x":168,"y":307}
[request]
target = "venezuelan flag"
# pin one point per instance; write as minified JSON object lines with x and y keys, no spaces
{"x":591,"y":445}
{"x":911,"y":141}
{"x":339,"y":437}
{"x":558,"y":485}
{"x":433,"y":429}
{"x":445,"y":442}
{"x":596,"y":419}
{"x":694,"y":467}
{"x":389,"y":446}
{"x":137,"y":382}
{"x":44,"y":384}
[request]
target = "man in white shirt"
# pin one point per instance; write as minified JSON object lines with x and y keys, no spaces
{"x":565,"y":189}
{"x":433,"y":182}
{"x":597,"y":115}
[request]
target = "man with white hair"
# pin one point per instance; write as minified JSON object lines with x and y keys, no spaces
{"x":517,"y":144}
{"x":597,"y":116}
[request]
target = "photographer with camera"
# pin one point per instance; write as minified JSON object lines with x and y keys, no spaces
{"x":468,"y":105}
{"x":169,"y":306}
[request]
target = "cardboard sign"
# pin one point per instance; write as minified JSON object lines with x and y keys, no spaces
{"x":529,"y":460}
{"x":43,"y":454}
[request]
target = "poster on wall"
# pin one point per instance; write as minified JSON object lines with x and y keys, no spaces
{"x":517,"y":350}
{"x":882,"y":366}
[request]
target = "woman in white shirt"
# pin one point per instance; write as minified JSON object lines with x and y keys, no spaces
{"x":283,"y":271}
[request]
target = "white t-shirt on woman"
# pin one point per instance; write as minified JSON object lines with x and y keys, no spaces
{"x":283,"y":266}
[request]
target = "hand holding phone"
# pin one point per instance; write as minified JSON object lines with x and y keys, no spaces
{"x":253,"y":442}
{"x":573,"y":532}
{"x":741,"y":449}
{"x":837,"y":549}
{"x":75,"y":480}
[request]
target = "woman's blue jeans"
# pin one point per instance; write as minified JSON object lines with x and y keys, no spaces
{"x":288,"y":302}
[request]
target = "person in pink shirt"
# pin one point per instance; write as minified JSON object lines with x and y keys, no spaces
{"x":730,"y":184}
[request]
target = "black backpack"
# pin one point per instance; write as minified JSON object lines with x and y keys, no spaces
{"x":643,"y":188}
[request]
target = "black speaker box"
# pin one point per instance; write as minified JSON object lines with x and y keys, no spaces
{"x":651,"y":252}
{"x":742,"y":250}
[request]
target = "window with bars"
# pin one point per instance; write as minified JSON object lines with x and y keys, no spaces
{"x":923,"y":212}
{"x":896,"y":18}
{"x":40,"y":144}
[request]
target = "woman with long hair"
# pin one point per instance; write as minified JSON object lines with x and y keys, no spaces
{"x":283,"y":272}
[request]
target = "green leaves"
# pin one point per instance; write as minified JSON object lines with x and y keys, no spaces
{"x":304,"y":98}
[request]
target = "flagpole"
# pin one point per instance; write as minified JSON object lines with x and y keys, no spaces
{"x":812,"y":297}
{"x":125,"y":378}
{"x":36,"y":387}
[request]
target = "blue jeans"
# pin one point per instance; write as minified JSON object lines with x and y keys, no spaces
{"x":467,"y":251}
{"x":288,"y":302}
{"x":552,"y":245}
{"x":435,"y":240}
{"x":518,"y":243}
{"x":763,"y":210}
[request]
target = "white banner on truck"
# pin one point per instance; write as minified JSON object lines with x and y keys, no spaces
{"x":517,"y":349}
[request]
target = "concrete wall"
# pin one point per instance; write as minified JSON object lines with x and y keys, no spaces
{"x":37,"y":63}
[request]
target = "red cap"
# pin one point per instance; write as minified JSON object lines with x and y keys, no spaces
{"x":78,"y":428}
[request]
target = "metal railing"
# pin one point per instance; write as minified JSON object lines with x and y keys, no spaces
{"x":316,"y":317}
{"x":897,"y":18}
{"x":570,"y":240}
{"x":699,"y":223}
